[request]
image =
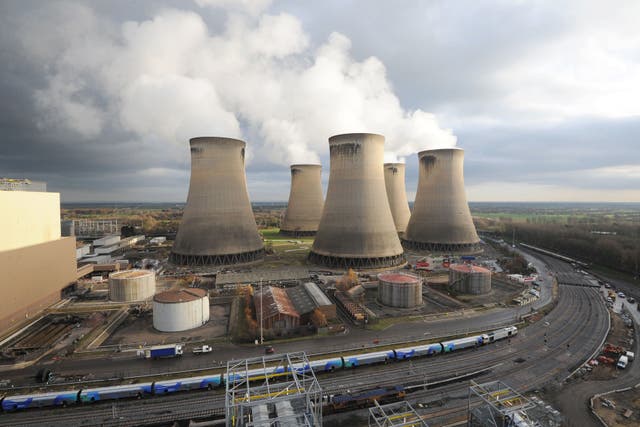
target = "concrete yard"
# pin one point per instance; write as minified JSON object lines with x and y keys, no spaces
{"x":136,"y":331}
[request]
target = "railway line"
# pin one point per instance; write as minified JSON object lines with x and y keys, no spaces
{"x":525,"y":363}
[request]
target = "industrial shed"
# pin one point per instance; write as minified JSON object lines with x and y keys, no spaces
{"x":276,"y":309}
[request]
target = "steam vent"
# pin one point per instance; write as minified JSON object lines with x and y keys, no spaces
{"x":357,"y":229}
{"x":305,"y":201}
{"x":441,"y":220}
{"x":397,"y":195}
{"x":218,"y":226}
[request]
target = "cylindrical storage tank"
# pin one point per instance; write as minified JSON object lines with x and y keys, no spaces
{"x":441,"y":220}
{"x":218,"y":226}
{"x":180,"y":310}
{"x":469,"y":279}
{"x":132,"y":285}
{"x":305,"y":201}
{"x":397,"y":195}
{"x":399,"y":290}
{"x":356,"y":229}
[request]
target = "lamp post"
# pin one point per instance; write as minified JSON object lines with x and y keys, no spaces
{"x":261,"y":315}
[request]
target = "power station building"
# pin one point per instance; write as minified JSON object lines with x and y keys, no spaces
{"x":36,"y":263}
{"x":441,"y":220}
{"x":469,"y":279}
{"x":357,"y":229}
{"x":304,"y":209}
{"x":397,"y":195}
{"x":180,"y":310}
{"x":218,"y":226}
{"x":132,"y":285}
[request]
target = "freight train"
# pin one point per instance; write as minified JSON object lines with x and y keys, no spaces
{"x":210,"y":382}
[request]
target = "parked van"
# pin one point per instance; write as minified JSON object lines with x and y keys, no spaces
{"x":622,"y":362}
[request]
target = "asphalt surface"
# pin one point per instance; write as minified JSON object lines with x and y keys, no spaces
{"x":573,"y":330}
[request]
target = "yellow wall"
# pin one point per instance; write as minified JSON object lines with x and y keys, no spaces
{"x":28,"y":218}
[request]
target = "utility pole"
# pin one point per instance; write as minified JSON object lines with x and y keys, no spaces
{"x":261,"y":315}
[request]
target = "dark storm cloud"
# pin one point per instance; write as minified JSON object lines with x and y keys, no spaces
{"x":480,"y":66}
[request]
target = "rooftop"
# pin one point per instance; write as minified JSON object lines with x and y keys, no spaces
{"x":468,"y":268}
{"x":131,"y":274}
{"x":398,"y":278}
{"x":275,"y":301}
{"x":181,"y":295}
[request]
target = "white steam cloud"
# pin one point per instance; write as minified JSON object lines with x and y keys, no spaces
{"x":172,"y":77}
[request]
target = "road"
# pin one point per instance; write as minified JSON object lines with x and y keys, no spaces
{"x":574,"y":330}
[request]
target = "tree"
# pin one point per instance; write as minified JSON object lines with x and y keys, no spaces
{"x":318,"y":318}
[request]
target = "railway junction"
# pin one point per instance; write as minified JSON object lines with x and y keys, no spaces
{"x":543,"y":355}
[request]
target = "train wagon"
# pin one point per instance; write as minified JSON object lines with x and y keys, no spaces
{"x":59,"y":398}
{"x":116,"y":392}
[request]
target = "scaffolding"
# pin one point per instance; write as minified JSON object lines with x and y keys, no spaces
{"x":398,"y":414}
{"x":500,"y":406}
{"x":276,"y":390}
{"x":96,"y":227}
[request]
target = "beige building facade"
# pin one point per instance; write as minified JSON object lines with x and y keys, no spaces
{"x":35,"y":262}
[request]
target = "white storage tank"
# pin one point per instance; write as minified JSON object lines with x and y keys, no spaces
{"x":180,"y":310}
{"x":132,"y":285}
{"x":469,"y":279}
{"x":399,"y":290}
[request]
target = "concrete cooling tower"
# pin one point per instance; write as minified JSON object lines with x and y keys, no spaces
{"x":356,"y":229}
{"x":218,"y":226}
{"x":441,"y":220}
{"x":397,"y":195}
{"x":305,"y":201}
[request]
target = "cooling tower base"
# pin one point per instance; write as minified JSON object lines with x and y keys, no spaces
{"x":297,"y":233}
{"x":459,"y":248}
{"x":357,"y":263}
{"x":227,"y":259}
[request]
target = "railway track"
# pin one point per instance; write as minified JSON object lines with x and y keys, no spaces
{"x":528,"y":345}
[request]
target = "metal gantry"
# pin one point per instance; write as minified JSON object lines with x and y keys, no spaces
{"x":398,"y":414}
{"x":272,"y":390}
{"x":500,"y":406}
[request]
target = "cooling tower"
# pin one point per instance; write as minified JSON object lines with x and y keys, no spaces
{"x":218,"y":226}
{"x":397,"y":195}
{"x":305,"y":201}
{"x":441,"y":220}
{"x":356,"y":229}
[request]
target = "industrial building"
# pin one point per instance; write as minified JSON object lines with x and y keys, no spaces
{"x":399,"y":290}
{"x":22,"y":184}
{"x":36,"y":263}
{"x":218,"y":226}
{"x":397,"y":195}
{"x":357,"y":229}
{"x":274,"y":309}
{"x":469,"y":279}
{"x":132,"y":285}
{"x":441,"y":220}
{"x":304,"y":209}
{"x":307,"y":298}
{"x":180,"y":310}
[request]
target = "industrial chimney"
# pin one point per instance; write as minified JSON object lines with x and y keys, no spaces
{"x":305,"y":201}
{"x":356,"y":229}
{"x":441,"y":220}
{"x":218,"y":226}
{"x":397,"y":195}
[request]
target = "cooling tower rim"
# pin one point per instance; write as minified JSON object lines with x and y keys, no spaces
{"x":339,"y":137}
{"x":450,"y":149}
{"x":217,"y":140}
{"x":395,"y":164}
{"x":306,"y":165}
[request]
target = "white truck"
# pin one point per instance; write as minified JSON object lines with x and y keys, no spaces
{"x":203,"y":349}
{"x":622,"y":362}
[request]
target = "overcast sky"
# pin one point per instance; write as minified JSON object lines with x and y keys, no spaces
{"x":99,"y":99}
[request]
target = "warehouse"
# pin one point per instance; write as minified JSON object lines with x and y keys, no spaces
{"x":276,"y":309}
